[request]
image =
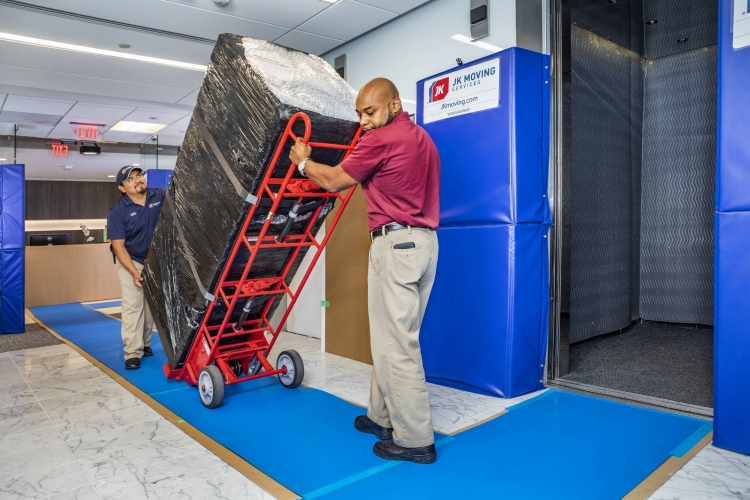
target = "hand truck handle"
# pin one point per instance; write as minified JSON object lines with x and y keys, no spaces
{"x":293,"y":120}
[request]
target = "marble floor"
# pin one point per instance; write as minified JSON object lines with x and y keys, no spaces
{"x":68,"y":431}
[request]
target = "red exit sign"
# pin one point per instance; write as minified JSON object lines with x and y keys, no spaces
{"x":59,"y":150}
{"x":88,"y":132}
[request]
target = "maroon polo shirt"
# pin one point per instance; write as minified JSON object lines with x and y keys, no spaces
{"x":399,"y":168}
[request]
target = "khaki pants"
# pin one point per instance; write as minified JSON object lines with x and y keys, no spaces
{"x":399,"y":285}
{"x":137,"y":322}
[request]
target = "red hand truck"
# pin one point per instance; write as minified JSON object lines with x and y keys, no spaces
{"x":215,"y":359}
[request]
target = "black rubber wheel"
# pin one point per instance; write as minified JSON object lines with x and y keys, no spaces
{"x":211,"y":387}
{"x":295,"y":370}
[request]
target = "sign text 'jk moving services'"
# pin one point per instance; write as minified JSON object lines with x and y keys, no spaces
{"x":466,"y":90}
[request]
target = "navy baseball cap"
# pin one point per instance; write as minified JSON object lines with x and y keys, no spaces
{"x":124,"y":173}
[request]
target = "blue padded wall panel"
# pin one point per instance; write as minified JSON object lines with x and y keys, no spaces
{"x":12,"y":318}
{"x":733,"y":151}
{"x":732,"y":332}
{"x":494,"y":162}
{"x":159,"y":178}
{"x":485,"y":328}
{"x":12,"y":248}
{"x":12,"y":208}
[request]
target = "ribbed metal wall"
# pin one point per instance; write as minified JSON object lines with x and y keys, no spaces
{"x":603,"y":159}
{"x":642,"y":164}
{"x":679,"y":164}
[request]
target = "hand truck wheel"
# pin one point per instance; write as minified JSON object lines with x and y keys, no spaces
{"x":211,"y":387}
{"x":295,"y":370}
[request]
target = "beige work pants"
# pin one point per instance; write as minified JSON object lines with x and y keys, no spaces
{"x":399,"y":285}
{"x":137,"y":323}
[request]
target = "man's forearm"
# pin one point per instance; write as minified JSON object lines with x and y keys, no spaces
{"x":319,"y":173}
{"x":123,"y":257}
{"x":332,"y":179}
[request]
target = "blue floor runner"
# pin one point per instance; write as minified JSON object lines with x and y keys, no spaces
{"x":304,"y":439}
{"x":102,"y":305}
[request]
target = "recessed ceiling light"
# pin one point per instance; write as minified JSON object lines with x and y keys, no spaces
{"x":408,"y":101}
{"x":3,"y":159}
{"x":481,"y":45}
{"x":124,"y":45}
{"x":653,"y":21}
{"x":135,"y":165}
{"x":90,"y":149}
{"x":111,"y":176}
{"x":8,"y":37}
{"x":137,"y":127}
{"x":68,"y":167}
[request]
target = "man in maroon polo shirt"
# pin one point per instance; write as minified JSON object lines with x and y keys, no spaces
{"x":399,"y":168}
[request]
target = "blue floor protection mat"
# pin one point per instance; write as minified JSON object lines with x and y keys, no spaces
{"x":102,"y":305}
{"x":304,"y":439}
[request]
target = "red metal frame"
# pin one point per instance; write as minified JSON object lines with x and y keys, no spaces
{"x":207,"y":346}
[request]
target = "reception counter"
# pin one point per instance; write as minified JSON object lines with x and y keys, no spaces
{"x":70,"y":273}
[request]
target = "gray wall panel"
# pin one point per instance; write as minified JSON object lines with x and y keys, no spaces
{"x":678,"y":187}
{"x":602,"y":159}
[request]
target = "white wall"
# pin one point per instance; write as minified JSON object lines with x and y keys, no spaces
{"x":418,"y":44}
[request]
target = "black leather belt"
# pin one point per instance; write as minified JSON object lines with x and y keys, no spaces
{"x":393,"y":226}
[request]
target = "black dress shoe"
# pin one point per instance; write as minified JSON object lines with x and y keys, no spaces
{"x":147,"y":351}
{"x":132,"y":363}
{"x":391,"y":451}
{"x":363,"y":424}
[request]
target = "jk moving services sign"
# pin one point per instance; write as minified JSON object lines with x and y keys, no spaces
{"x":466,"y":90}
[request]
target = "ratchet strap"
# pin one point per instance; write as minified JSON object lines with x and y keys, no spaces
{"x":208,"y":296}
{"x":250,"y":198}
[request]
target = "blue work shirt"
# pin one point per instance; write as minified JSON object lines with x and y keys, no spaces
{"x":134,"y":223}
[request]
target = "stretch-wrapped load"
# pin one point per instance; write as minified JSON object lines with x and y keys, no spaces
{"x":251,"y":90}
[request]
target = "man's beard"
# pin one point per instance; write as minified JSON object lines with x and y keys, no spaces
{"x":391,"y":116}
{"x":140,"y":189}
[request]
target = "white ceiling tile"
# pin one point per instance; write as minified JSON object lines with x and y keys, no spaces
{"x":191,"y":99}
{"x":397,"y":6}
{"x":34,"y":130}
{"x":50,"y":80}
{"x":346,"y":19}
{"x":124,"y":137}
{"x":6,"y":128}
{"x":40,"y":164}
{"x":37,"y":105}
{"x":146,"y":115}
{"x":59,"y":29}
{"x":93,"y":99}
{"x":98,"y":113}
{"x":287,"y":13}
{"x":170,"y":16}
{"x":114,"y":68}
{"x":307,"y":42}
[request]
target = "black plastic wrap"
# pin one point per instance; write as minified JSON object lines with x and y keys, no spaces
{"x":250,"y":91}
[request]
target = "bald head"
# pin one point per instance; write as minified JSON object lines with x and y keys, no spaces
{"x":378,"y":103}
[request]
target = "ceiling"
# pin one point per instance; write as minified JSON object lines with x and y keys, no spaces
{"x":40,"y":164}
{"x":43,"y":90}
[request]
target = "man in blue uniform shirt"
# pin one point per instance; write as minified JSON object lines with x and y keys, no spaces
{"x":130,"y":225}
